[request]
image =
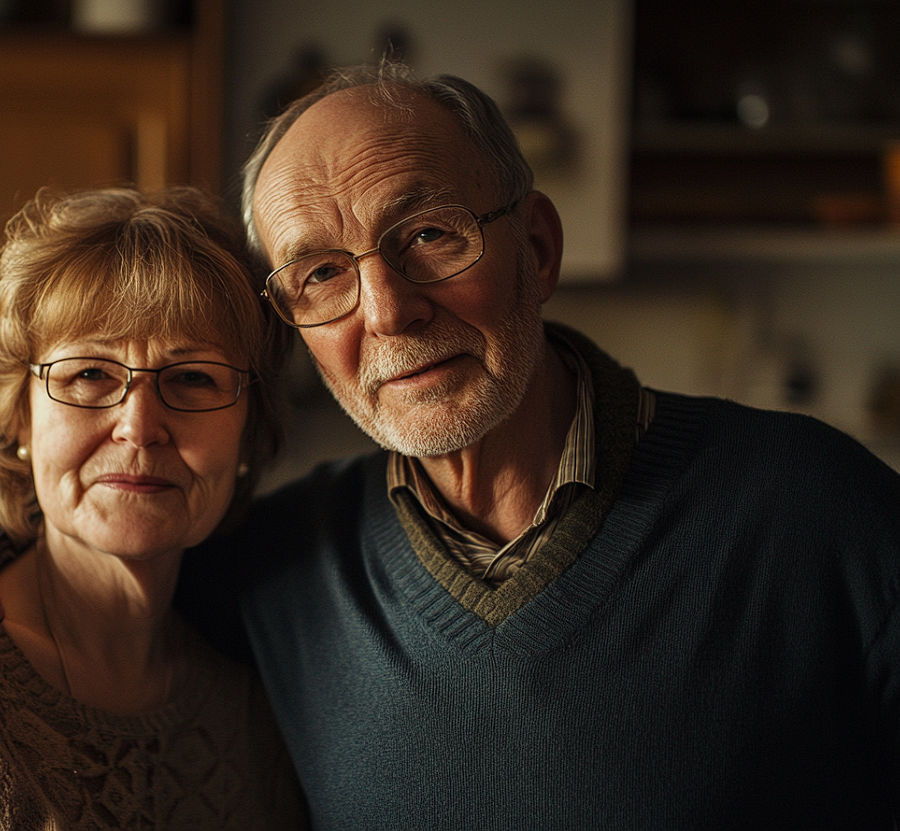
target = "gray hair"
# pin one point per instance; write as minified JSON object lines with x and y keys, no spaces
{"x":478,"y":114}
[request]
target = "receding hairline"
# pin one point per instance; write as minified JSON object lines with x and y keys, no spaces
{"x":402,"y":108}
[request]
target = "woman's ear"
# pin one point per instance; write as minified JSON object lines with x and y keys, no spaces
{"x":545,"y":234}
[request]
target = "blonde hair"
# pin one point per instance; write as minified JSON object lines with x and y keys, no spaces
{"x":129,"y":265}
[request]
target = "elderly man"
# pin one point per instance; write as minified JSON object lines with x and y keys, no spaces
{"x":556,"y":599}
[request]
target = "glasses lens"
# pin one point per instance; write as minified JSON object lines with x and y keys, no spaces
{"x":433,"y":245}
{"x":199,"y":386}
{"x":315,"y":289}
{"x":86,"y":382}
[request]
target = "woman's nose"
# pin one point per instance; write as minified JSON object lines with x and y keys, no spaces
{"x":141,"y":417}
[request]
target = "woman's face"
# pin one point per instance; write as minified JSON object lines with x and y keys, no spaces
{"x":138,"y":479}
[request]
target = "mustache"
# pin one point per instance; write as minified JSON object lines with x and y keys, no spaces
{"x":407,"y":354}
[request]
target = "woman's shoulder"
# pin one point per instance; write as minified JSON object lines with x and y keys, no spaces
{"x":237,"y":730}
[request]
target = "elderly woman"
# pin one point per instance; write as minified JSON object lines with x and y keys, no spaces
{"x":136,"y":361}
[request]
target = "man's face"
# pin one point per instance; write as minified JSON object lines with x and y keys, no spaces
{"x":425,"y":369}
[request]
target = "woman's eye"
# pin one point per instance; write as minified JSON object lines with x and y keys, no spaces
{"x":91,"y":374}
{"x":192,"y":378}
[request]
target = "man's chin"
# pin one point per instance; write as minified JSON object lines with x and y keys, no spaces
{"x":431,"y":431}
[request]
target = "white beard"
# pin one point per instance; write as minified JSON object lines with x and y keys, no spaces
{"x":447,"y":418}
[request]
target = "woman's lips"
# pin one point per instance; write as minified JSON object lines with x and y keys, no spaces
{"x":136,"y":483}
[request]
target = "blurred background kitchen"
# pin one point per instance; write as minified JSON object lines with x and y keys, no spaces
{"x":728,"y":174}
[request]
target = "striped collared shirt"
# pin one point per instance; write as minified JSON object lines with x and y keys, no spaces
{"x":577,"y":466}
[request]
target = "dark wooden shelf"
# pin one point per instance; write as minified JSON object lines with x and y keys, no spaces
{"x":725,"y":140}
{"x":80,"y":111}
{"x":774,"y":244}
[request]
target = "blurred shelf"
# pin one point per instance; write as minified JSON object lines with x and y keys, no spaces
{"x":730,"y":139}
{"x":750,"y":116}
{"x":765,"y":245}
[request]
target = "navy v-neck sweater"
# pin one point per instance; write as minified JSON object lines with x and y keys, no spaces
{"x":723,"y":654}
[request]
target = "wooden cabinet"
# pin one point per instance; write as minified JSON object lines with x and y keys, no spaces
{"x":81,"y":111}
{"x":762,"y":123}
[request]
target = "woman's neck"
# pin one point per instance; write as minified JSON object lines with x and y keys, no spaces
{"x":98,"y":628}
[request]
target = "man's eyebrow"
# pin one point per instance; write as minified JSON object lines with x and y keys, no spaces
{"x":420,"y":199}
{"x":297,"y":251}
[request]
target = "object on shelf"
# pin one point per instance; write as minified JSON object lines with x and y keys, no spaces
{"x":533,"y":107}
{"x":846,"y":210}
{"x":892,"y":183}
{"x":118,"y":17}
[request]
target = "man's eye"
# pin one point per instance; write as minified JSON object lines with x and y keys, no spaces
{"x":323,"y":274}
{"x":428,"y":235}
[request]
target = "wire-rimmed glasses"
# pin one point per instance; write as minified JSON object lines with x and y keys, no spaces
{"x":430,"y":246}
{"x":99,"y":383}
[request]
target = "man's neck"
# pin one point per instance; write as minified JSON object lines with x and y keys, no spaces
{"x":495,"y":486}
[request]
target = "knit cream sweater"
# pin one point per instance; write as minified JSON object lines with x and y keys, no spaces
{"x":209,"y":760}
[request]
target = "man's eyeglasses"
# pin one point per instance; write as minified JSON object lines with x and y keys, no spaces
{"x":98,"y":383}
{"x":428,"y":247}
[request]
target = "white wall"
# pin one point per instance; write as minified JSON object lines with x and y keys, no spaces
{"x":586,"y":41}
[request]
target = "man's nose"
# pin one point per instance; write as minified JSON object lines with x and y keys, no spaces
{"x":388,"y":302}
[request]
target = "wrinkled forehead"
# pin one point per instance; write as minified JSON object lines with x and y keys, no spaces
{"x":353,"y":156}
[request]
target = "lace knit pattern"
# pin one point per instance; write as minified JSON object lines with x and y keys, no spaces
{"x":210,"y":760}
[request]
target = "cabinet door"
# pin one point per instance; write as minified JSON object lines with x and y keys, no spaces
{"x":79,"y":113}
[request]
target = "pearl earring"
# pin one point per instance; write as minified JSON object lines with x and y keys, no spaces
{"x":22,"y":453}
{"x":243,"y":469}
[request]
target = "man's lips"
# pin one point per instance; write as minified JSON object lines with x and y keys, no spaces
{"x":421,"y":370}
{"x":135,"y":483}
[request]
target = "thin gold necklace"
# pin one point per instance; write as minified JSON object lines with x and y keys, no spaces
{"x":59,"y":652}
{"x":167,"y":687}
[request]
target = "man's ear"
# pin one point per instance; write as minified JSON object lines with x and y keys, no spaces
{"x":545,"y":234}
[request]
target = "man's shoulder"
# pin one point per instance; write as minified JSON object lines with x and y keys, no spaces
{"x":284,"y":523}
{"x":743,"y":444}
{"x":745,"y":424}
